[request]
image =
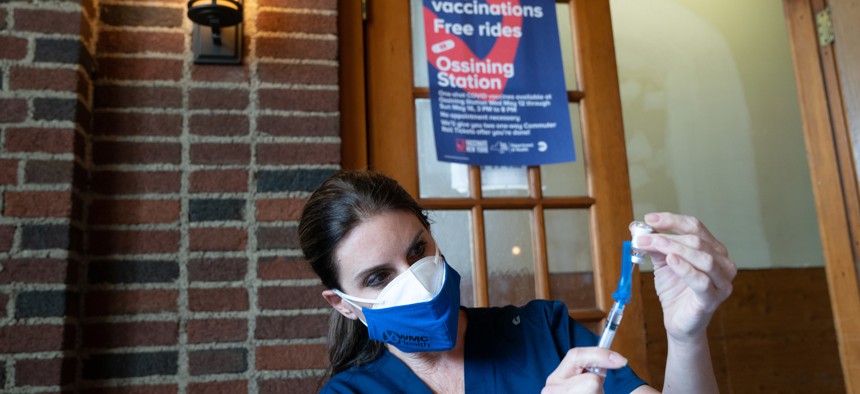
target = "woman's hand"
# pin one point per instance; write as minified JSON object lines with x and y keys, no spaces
{"x":571,"y":375}
{"x":692,"y":273}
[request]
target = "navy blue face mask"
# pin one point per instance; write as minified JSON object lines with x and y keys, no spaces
{"x":417,"y":311}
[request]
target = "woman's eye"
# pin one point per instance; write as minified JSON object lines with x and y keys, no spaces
{"x":376,"y":280}
{"x":418,"y":249}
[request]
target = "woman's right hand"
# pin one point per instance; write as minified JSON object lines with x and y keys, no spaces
{"x":571,"y":375}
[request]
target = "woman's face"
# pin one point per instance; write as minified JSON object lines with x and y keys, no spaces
{"x":374,"y":253}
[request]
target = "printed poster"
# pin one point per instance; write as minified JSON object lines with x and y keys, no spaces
{"x":497,"y":87}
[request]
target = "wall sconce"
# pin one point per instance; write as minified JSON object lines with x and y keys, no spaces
{"x":217,"y":35}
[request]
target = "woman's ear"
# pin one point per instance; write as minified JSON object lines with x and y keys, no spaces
{"x":339,"y":304}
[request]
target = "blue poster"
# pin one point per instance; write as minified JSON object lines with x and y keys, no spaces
{"x":497,"y":87}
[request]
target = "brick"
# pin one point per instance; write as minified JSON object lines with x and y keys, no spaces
{"x":296,"y":22}
{"x":292,"y":327}
{"x":203,"y":98}
{"x":65,"y":51}
{"x":217,"y":330}
{"x":3,"y":374}
{"x":112,"y":96}
{"x":140,"y":69}
{"x":12,"y":110}
{"x":132,"y":15}
{"x":123,"y":41}
{"x":147,"y":333}
{"x":8,"y":171}
{"x":137,"y":124}
{"x":51,"y":303}
{"x":229,"y":387}
{"x":282,"y":357}
{"x":291,"y":180}
{"x":309,"y":74}
{"x":134,"y":271}
{"x":106,"y":152}
{"x":105,"y":242}
{"x":51,"y":79}
{"x":126,"y":389}
{"x":50,"y":372}
{"x":46,"y":236}
{"x":275,"y":386}
{"x":296,"y":48}
{"x":219,"y":125}
{"x":291,"y":297}
{"x":31,"y":338}
{"x":219,"y":181}
{"x":218,"y":300}
{"x":315,"y":153}
{"x":214,"y":73}
{"x":214,"y":269}
{"x":279,"y":209}
{"x":220,"y":153}
{"x":134,"y":211}
{"x":37,"y":271}
{"x":33,"y":204}
{"x":309,"y":4}
{"x":136,"y":182}
{"x":277,"y":238}
{"x":299,"y":100}
{"x":55,"y":109}
{"x":130,"y":365}
{"x":212,"y":239}
{"x":276,"y":268}
{"x":3,"y":15}
{"x":4,"y":304}
{"x":130,"y":302}
{"x":49,"y":171}
{"x":12,"y":48}
{"x":201,"y":210}
{"x":40,"y":140}
{"x":298,"y":125}
{"x":7,"y":238}
{"x":48,"y":21}
{"x":217,"y":361}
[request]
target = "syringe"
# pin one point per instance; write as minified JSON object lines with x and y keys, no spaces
{"x":631,"y":257}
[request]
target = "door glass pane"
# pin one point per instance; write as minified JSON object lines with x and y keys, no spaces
{"x":562,"y":12}
{"x":567,"y":179}
{"x":504,"y":181}
{"x":510,"y":267}
{"x":436,"y":178}
{"x":419,"y":56}
{"x":452,"y":232}
{"x":568,"y":243}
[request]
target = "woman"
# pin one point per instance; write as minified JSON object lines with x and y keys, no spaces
{"x":399,"y":327}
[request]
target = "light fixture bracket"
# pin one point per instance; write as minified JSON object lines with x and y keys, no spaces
{"x":217,"y":34}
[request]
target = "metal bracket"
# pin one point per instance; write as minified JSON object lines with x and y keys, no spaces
{"x":824,"y":24}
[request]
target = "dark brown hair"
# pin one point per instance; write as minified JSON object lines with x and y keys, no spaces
{"x":340,"y":204}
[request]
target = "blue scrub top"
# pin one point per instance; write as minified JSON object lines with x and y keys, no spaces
{"x":508,"y":350}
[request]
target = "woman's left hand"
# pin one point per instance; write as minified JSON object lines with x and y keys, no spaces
{"x":692,"y":273}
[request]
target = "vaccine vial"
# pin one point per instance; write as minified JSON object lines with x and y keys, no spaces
{"x":638,"y":229}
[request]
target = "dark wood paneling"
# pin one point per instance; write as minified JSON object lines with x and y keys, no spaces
{"x":775,"y":334}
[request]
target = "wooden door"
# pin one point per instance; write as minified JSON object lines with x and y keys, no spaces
{"x":830,"y":112}
{"x":384,"y":126}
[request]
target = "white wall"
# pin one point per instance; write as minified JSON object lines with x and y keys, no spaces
{"x":713,"y":126}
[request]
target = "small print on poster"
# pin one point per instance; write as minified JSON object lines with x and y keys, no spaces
{"x":497,"y":87}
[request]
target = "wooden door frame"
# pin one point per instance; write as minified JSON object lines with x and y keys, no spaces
{"x":834,"y":181}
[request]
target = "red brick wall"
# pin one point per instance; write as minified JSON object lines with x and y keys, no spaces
{"x":149,"y":205}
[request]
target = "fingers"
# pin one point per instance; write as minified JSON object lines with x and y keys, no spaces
{"x":577,"y":359}
{"x":686,"y":225}
{"x":719,"y":268}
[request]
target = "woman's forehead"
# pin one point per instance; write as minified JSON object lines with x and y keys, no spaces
{"x":380,"y":238}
